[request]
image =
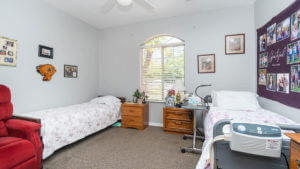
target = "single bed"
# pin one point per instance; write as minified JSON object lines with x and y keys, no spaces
{"x":66,"y":125}
{"x":217,"y":114}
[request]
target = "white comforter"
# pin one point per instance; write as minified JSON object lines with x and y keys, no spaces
{"x":63,"y":126}
{"x":215,"y":115}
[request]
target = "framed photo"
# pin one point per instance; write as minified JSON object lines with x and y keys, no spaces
{"x":71,"y":71}
{"x":262,"y":77}
{"x":206,"y":63}
{"x":271,"y":34}
{"x":295,"y":22}
{"x":262,"y":42}
{"x":8,"y":52}
{"x":170,"y":101}
{"x":283,"y":29}
{"x":283,"y":83}
{"x":295,"y":78}
{"x":263,"y":60}
{"x":235,"y":44}
{"x":271,"y":82}
{"x":293,"y":52}
{"x":45,"y":52}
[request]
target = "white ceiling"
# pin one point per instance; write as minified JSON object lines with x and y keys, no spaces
{"x":89,"y":11}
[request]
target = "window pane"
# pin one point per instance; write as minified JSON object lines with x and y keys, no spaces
{"x":173,"y":66}
{"x":152,"y":73}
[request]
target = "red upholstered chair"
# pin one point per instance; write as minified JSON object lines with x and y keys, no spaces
{"x":20,"y":144}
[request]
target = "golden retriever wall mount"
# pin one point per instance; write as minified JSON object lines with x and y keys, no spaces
{"x":47,"y":71}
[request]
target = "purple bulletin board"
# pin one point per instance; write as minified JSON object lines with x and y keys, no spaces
{"x":278,"y":57}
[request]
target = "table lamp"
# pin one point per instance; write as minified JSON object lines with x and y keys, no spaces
{"x":178,"y":86}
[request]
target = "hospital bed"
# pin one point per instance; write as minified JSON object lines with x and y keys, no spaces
{"x":224,"y":157}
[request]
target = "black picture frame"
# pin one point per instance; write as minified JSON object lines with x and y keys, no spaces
{"x":72,"y":72}
{"x":43,"y":52}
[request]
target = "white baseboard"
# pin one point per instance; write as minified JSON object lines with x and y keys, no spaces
{"x":156,"y":124}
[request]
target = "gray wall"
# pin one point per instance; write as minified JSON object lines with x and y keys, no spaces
{"x":264,"y":11}
{"x":32,"y":22}
{"x":203,"y":33}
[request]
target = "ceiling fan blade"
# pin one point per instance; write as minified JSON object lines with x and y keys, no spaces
{"x":145,"y":4}
{"x":109,"y":4}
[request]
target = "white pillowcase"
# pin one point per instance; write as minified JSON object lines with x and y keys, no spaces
{"x":109,"y":100}
{"x":235,"y":100}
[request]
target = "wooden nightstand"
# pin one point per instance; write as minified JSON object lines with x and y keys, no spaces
{"x":178,"y":121}
{"x":294,"y":150}
{"x":135,"y":115}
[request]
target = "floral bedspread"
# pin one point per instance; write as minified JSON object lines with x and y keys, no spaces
{"x":65,"y":125}
{"x":215,"y":115}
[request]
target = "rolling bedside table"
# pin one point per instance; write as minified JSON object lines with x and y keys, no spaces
{"x":178,"y":121}
{"x":294,"y":150}
{"x":135,"y":115}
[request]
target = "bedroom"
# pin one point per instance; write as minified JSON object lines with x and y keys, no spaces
{"x":107,"y":61}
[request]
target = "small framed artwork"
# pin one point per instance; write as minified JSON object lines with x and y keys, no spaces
{"x":235,"y":44}
{"x":262,"y":77}
{"x":295,"y":78}
{"x":283,"y":82}
{"x":45,"y":52}
{"x":271,"y":82}
{"x":8,"y":52}
{"x":271,"y":34}
{"x":295,"y":22}
{"x":206,"y":63}
{"x":170,"y":101}
{"x":71,"y":71}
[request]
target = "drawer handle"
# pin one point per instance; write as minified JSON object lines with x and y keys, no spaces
{"x":298,"y":162}
{"x":178,"y":122}
{"x":131,"y":111}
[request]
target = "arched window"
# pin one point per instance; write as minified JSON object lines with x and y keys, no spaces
{"x":162,"y":62}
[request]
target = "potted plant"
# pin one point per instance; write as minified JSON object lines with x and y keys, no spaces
{"x":137,"y":97}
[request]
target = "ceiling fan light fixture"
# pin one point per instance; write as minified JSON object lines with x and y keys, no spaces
{"x":125,"y":2}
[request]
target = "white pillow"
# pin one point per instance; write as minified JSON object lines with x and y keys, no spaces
{"x":106,"y":100}
{"x":235,"y":100}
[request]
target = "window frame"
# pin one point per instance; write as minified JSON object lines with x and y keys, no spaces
{"x":162,"y":46}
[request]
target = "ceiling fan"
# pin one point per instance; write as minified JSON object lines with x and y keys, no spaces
{"x":110,"y":4}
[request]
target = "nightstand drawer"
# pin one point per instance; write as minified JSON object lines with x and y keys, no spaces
{"x":132,"y":120}
{"x":132,"y":111}
{"x":179,"y":115}
{"x":295,"y":155}
{"x":179,"y":125}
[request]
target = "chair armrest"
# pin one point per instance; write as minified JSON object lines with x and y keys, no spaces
{"x":26,"y":130}
{"x":22,"y":126}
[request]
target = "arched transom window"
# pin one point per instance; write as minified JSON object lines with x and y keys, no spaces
{"x":162,"y":62}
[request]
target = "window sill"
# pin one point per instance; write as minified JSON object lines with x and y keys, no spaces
{"x":152,"y":101}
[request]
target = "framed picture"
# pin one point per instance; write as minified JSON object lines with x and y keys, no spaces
{"x":235,"y":44}
{"x":71,"y":71}
{"x":45,"y":52}
{"x":262,"y":77}
{"x":263,"y":60}
{"x":283,"y":82}
{"x":295,"y":78}
{"x":8,"y":52}
{"x":206,"y":63}
{"x":293,"y":52}
{"x":295,"y":22}
{"x":271,"y":82}
{"x":170,"y":101}
{"x":262,"y":42}
{"x":283,"y":29}
{"x":271,"y":34}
